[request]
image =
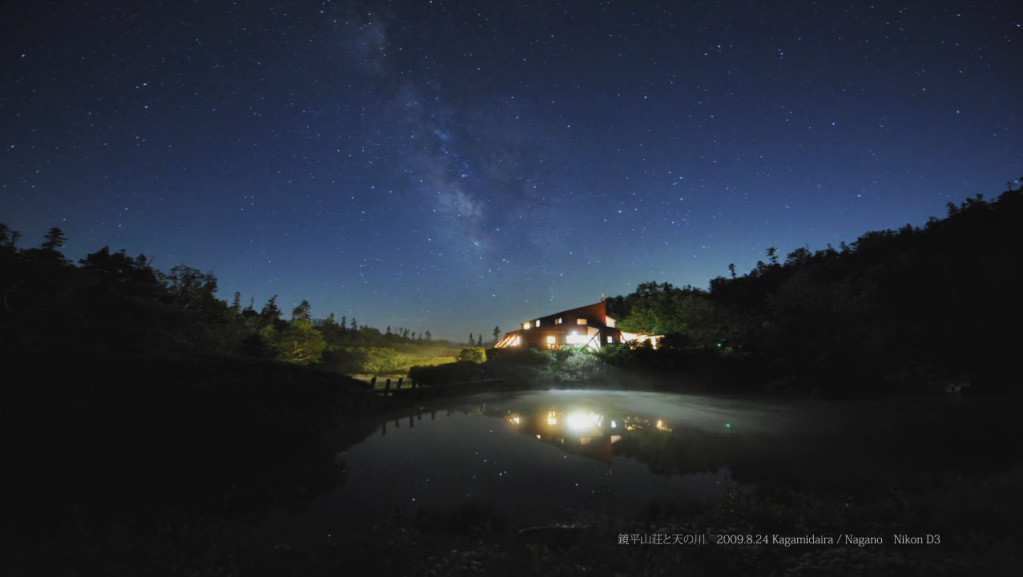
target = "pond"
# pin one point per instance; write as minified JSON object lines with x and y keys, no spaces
{"x":502,"y":478}
{"x":562,"y":457}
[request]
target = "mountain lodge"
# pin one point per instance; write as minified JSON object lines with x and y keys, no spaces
{"x":587,"y":326}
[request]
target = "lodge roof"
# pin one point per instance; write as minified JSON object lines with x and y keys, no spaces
{"x":599,"y":309}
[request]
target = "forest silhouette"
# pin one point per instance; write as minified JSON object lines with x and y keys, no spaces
{"x":910,"y":310}
{"x":913,"y":309}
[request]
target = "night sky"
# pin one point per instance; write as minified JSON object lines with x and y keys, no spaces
{"x":452,"y":166}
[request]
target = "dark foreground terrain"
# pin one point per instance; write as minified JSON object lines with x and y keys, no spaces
{"x":105,"y":476}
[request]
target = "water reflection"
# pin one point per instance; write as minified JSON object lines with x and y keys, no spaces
{"x":534,"y":457}
{"x":557,"y":456}
{"x":581,"y":431}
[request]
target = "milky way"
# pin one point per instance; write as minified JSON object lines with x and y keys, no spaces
{"x":452,"y":166}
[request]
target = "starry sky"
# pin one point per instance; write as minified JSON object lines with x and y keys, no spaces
{"x":452,"y":166}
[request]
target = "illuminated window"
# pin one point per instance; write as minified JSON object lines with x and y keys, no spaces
{"x":580,"y":321}
{"x":537,"y":322}
{"x":551,"y":341}
{"x":527,"y":326}
{"x":576,"y":339}
{"x":558,"y":321}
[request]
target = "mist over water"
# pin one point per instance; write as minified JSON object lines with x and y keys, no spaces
{"x":549,"y":457}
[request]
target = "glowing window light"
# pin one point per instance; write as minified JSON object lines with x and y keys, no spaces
{"x":580,"y":321}
{"x":537,"y":322}
{"x":527,"y":326}
{"x":551,"y":340}
{"x":574,"y":338}
{"x":559,"y":320}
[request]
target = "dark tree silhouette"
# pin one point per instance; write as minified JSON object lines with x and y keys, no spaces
{"x":54,"y":239}
{"x":271,"y":312}
{"x":302,"y":311}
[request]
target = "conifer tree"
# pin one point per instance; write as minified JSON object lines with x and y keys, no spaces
{"x":302,"y":311}
{"x":54,"y":239}
{"x":271,"y":311}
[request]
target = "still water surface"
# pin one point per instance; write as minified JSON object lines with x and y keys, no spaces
{"x":538,"y":457}
{"x":561,"y":456}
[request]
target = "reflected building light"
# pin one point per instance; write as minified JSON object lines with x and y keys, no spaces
{"x":552,"y":418}
{"x":580,"y":421}
{"x":577,"y":421}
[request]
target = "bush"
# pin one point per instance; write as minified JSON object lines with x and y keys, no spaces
{"x":473,"y":354}
{"x":574,"y":364}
